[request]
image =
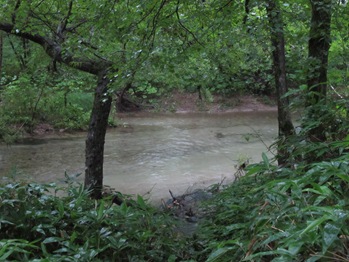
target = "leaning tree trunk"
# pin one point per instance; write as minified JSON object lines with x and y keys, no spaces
{"x":278,"y":43}
{"x":96,"y":137}
{"x":102,"y":101}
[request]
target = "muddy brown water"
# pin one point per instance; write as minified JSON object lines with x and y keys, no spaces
{"x":151,"y":152}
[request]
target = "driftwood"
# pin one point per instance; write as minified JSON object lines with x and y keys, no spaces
{"x":241,"y":170}
{"x":187,"y":206}
{"x":115,"y":196}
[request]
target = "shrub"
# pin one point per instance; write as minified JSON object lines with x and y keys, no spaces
{"x":36,"y":224}
{"x":296,"y":212}
{"x":27,"y":101}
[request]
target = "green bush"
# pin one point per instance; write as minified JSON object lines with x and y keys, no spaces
{"x":69,"y":111}
{"x":297,"y":212}
{"x":282,"y":214}
{"x":27,"y":101}
{"x":8,"y":134}
{"x":38,"y":225}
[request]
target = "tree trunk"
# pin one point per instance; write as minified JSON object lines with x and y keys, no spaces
{"x":101,"y":107}
{"x":1,"y":53}
{"x":26,"y":51}
{"x":318,"y":47}
{"x":278,"y":43}
{"x":96,"y":137}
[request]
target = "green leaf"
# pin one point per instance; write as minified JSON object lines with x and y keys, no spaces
{"x":295,"y":246}
{"x":5,"y":222}
{"x":344,"y":177}
{"x":254,"y":169}
{"x":44,"y":249}
{"x":100,"y":211}
{"x":52,"y":240}
{"x":60,"y":207}
{"x":172,"y":258}
{"x":73,"y":236}
{"x":265,"y":160}
{"x":315,"y":224}
{"x":141,"y":202}
{"x":218,"y":253}
{"x":330,"y":234}
{"x":319,"y":199}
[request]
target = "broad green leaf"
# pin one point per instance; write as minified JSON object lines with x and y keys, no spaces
{"x":330,"y":234}
{"x":265,"y":160}
{"x":52,"y":240}
{"x":216,"y":255}
{"x":5,"y":222}
{"x":100,"y":211}
{"x":319,"y":199}
{"x":314,"y":224}
{"x":172,"y":258}
{"x":344,"y":177}
{"x":141,"y":202}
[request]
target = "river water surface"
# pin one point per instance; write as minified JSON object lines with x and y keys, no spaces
{"x":151,"y":152}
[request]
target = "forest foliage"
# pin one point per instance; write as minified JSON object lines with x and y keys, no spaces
{"x":297,"y":211}
{"x":273,"y":213}
{"x":228,"y":57}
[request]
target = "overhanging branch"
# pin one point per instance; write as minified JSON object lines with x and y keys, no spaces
{"x":184,"y":27}
{"x":54,"y":50}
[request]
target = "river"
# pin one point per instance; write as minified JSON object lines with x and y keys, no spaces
{"x":150,"y":153}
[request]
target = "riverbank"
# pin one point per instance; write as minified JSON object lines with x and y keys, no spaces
{"x":181,"y":103}
{"x":153,"y":152}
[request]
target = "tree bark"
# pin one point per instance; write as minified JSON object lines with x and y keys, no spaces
{"x":1,"y":52}
{"x":96,"y":138}
{"x":101,"y":107}
{"x":318,"y":48}
{"x":278,"y":43}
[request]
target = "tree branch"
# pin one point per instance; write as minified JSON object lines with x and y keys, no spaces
{"x":61,"y":28}
{"x":54,"y":50}
{"x":15,"y":10}
{"x":184,"y":27}
{"x":247,"y":11}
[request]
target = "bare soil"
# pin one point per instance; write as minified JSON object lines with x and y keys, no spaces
{"x":180,"y":102}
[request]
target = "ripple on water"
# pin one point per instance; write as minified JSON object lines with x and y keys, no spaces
{"x":168,"y":151}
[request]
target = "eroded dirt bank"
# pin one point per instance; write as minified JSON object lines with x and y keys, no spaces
{"x":179,"y":102}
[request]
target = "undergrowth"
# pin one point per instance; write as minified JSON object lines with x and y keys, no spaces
{"x":282,"y":214}
{"x":296,"y":212}
{"x":38,"y":225}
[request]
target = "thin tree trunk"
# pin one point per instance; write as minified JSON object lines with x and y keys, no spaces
{"x":318,"y":47}
{"x":1,"y":52}
{"x":96,"y":138}
{"x":278,"y":43}
{"x":18,"y":55}
{"x":26,"y":51}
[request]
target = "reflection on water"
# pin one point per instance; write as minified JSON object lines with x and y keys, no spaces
{"x":153,"y":152}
